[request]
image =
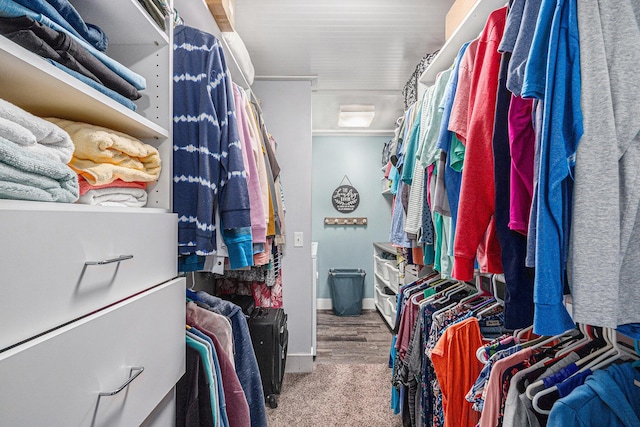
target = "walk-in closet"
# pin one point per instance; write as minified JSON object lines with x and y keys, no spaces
{"x":244,"y":213}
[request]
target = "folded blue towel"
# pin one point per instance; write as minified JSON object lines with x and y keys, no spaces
{"x":26,"y":175}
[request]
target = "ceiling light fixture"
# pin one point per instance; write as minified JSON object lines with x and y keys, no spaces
{"x":356,"y":116}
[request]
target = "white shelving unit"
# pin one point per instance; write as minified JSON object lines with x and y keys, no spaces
{"x":386,"y":280}
{"x":85,"y":273}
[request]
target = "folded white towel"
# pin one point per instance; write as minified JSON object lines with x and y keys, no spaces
{"x":115,"y":196}
{"x":16,"y":133}
{"x":44,"y":131}
{"x":23,"y":128}
{"x":241,"y":54}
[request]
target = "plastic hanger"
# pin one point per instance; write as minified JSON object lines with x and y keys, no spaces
{"x":458,"y":287}
{"x":498,"y":287}
{"x":579,"y":343}
{"x":430,"y":281}
{"x":519,"y":334}
{"x":462,"y":287}
{"x":615,"y":353}
{"x":440,"y":293}
{"x":481,"y":294}
{"x":481,"y":352}
{"x":544,"y":340}
{"x":584,"y":363}
{"x":497,"y":296}
{"x":489,"y":309}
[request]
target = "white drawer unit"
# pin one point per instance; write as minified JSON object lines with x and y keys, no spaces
{"x":71,"y":263}
{"x":386,"y":279}
{"x":131,"y":352}
{"x":89,"y":295}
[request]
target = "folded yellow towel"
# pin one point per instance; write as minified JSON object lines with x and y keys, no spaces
{"x":102,"y":155}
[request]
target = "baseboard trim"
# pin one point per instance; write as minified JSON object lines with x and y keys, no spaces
{"x":325,"y":304}
{"x":299,"y":363}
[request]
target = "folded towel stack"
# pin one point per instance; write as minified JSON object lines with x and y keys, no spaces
{"x":104,"y":158}
{"x":33,"y":157}
{"x":34,"y":133}
{"x":116,"y":193}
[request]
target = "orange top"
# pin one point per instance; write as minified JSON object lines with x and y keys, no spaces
{"x":457,"y":368}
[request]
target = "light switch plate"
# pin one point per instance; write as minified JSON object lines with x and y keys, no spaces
{"x":297,"y":239}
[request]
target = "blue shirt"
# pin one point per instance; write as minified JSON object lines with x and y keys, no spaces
{"x":553,"y":74}
{"x":452,"y":177}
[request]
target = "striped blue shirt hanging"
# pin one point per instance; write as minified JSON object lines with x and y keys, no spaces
{"x":208,"y":171}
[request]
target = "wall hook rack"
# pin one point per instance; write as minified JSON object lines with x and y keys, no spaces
{"x":345,"y":221}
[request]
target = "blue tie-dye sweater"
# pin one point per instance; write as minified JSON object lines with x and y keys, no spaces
{"x":208,"y":171}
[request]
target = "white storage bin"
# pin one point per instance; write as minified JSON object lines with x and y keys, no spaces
{"x":390,"y":306}
{"x":381,"y":267}
{"x":393,"y":276}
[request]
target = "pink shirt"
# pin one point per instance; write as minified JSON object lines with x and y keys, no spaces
{"x":522,"y":141}
{"x":459,"y":118}
{"x":258,"y":224}
{"x":493,"y":391}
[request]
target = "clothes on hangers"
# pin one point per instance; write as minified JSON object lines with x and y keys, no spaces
{"x":234,"y":378}
{"x":427,"y":308}
{"x":217,"y":131}
{"x":548,"y":112}
{"x":246,"y":365}
{"x":608,"y":397}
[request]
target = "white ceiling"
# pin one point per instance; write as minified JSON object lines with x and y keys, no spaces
{"x":357,"y":51}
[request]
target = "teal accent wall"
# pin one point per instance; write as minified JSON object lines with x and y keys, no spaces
{"x":359,"y":158}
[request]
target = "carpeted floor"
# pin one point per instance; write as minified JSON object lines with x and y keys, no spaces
{"x":345,"y":395}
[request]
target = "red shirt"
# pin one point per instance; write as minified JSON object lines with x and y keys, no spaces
{"x":475,"y":231}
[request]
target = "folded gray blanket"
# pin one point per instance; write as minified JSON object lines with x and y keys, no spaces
{"x":27,"y":175}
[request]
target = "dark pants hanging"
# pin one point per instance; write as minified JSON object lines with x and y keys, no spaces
{"x":519,"y":291}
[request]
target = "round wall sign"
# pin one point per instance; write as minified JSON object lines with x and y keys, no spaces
{"x":345,"y":198}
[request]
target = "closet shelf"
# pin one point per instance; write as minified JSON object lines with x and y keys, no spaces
{"x":196,"y":14}
{"x":469,"y":28}
{"x":44,"y":90}
{"x":124,"y":21}
{"x":29,"y":205}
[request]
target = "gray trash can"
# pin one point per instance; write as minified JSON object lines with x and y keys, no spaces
{"x":347,"y":291}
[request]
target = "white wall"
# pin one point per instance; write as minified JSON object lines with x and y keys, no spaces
{"x":286,"y":107}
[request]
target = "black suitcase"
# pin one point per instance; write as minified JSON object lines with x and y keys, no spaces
{"x":245,"y":302}
{"x":269,"y":335}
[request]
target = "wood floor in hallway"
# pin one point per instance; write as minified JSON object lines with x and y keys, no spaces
{"x":352,"y":339}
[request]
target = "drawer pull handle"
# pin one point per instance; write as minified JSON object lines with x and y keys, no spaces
{"x":109,"y":261}
{"x":139,"y":370}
